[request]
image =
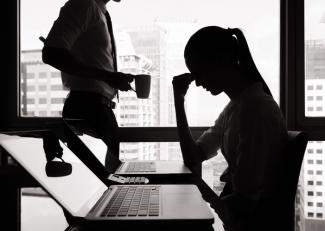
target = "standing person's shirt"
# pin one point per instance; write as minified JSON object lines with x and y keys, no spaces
{"x":252,"y":136}
{"x":82,"y":29}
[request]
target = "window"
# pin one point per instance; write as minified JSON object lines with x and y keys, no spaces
{"x":310,"y":109}
{"x":30,"y":76}
{"x":319,"y":215}
{"x":154,"y":44}
{"x":314,"y":60}
{"x":310,"y":182}
{"x":42,"y":100}
{"x":56,"y":88}
{"x":42,"y":75}
{"x":310,"y":193}
{"x":310,"y":87}
{"x":56,"y":100}
{"x":310,"y":204}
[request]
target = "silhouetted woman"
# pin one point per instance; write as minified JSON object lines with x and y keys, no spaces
{"x":250,"y":131}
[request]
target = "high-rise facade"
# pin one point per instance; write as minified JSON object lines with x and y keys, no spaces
{"x":311,"y":189}
{"x":163,"y":43}
{"x":42,"y":93}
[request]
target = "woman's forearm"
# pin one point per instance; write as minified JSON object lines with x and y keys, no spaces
{"x":192,"y":155}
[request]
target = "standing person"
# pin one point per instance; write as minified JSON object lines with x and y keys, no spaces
{"x":81,"y":45}
{"x":250,"y":131}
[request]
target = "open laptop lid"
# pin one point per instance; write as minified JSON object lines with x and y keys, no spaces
{"x":77,"y":192}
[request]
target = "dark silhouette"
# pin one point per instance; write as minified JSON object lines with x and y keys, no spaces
{"x":250,"y":132}
{"x":55,"y":165}
{"x":81,"y":45}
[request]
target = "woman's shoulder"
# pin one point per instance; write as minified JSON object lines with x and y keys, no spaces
{"x":263,"y":106}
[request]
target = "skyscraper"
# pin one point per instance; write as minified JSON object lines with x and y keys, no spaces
{"x":311,"y":189}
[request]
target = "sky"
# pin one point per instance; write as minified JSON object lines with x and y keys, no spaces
{"x":38,"y":15}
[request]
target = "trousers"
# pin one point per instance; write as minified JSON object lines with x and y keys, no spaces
{"x":98,"y":113}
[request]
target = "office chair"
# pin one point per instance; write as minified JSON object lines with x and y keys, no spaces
{"x":281,"y":206}
{"x":297,"y":142}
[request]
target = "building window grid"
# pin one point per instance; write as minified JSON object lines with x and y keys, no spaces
{"x":310,"y":172}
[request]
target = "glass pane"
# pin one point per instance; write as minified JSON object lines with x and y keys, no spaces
{"x":314,"y":58}
{"x":310,"y":200}
{"x":136,"y":150}
{"x":150,"y":37}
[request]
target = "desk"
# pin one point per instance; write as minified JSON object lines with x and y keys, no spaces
{"x":13,"y":178}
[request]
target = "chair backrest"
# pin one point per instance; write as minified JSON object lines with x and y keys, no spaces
{"x":297,"y":142}
{"x":281,"y":207}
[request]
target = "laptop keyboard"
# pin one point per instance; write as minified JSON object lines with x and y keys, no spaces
{"x":141,"y":167}
{"x":133,"y":201}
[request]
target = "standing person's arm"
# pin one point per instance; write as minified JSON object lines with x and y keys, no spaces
{"x":191,"y":152}
{"x":63,"y":60}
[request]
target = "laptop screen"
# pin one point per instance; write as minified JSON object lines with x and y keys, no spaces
{"x":76,"y":192}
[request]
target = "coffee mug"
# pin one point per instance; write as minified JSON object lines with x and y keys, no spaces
{"x":142,"y":86}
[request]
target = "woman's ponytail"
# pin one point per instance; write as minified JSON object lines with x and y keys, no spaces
{"x":246,"y":61}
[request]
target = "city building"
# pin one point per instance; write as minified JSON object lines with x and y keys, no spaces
{"x":310,"y":207}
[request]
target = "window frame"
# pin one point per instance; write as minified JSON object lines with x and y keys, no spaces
{"x":292,"y":58}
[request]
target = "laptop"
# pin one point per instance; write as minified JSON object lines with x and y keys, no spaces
{"x":85,"y":197}
{"x":127,"y":168}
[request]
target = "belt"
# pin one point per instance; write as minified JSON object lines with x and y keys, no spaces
{"x":90,"y":96}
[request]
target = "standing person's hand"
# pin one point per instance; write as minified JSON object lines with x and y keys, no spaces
{"x":121,"y":81}
{"x":181,"y":84}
